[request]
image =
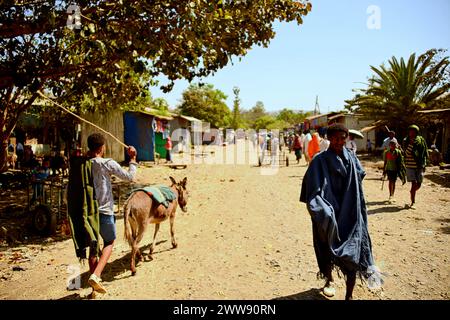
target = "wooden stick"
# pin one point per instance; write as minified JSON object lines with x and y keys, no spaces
{"x":77,"y":116}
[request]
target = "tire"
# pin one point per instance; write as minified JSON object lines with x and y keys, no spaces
{"x":44,"y":221}
{"x":287,"y":162}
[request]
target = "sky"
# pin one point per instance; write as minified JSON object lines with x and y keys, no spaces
{"x":330,"y":54}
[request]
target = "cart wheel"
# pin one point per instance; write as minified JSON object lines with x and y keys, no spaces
{"x":287,"y":161}
{"x":44,"y":221}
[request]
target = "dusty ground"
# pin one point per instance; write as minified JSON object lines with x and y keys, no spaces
{"x":246,"y":236}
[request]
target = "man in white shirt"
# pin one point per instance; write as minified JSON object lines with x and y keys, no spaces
{"x":274,"y":148}
{"x":388,"y":140}
{"x":324,"y":143}
{"x":306,"y":140}
{"x":351,"y":144}
{"x":102,"y":170}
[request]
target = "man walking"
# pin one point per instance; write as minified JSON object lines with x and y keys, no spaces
{"x":332,"y":191}
{"x":416,"y":159}
{"x":102,"y":170}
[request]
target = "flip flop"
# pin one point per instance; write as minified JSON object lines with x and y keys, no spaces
{"x":329,"y":291}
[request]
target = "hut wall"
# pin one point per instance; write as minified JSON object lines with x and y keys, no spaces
{"x":111,"y":122}
{"x":139,"y":133}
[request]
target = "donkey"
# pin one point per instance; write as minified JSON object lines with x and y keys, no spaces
{"x":141,"y":210}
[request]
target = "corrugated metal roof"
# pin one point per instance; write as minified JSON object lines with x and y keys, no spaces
{"x":153,"y":113}
{"x":336,"y":116}
{"x":192,"y":119}
{"x":372,"y":126}
{"x":435,"y":111}
{"x":315,"y":117}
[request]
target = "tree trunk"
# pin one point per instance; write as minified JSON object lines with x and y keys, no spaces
{"x":8,"y":121}
{"x":3,"y":154}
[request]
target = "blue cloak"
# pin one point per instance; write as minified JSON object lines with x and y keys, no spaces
{"x":332,"y":191}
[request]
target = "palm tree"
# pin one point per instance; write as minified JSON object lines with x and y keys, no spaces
{"x":396,"y":93}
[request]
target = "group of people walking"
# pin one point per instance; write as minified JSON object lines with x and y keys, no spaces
{"x":406,"y":161}
{"x":332,"y":190}
{"x":307,"y":144}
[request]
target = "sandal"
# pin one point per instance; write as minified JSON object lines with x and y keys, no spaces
{"x":329,"y":291}
{"x":94,"y":282}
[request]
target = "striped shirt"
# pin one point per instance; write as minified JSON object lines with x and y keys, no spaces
{"x":409,"y":158}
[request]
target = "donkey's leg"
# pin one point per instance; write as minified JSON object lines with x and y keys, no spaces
{"x":172,"y":231}
{"x":141,"y":231}
{"x":133,"y":261}
{"x":135,"y":247}
{"x":139,"y":255}
{"x":152,"y":246}
{"x":135,"y":252}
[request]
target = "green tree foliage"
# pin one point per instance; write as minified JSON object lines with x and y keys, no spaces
{"x":160,"y":104}
{"x":264,"y":122}
{"x":236,"y":122}
{"x":41,"y":47}
{"x":395,"y":93}
{"x":278,"y":124}
{"x":257,"y":111}
{"x":207,"y":104}
{"x":258,"y":118}
{"x":130,"y":92}
{"x":291,"y":117}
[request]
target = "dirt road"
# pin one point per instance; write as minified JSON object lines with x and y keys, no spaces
{"x":246,"y":236}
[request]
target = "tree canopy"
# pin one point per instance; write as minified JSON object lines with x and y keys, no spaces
{"x":291,"y":117}
{"x":207,"y":104}
{"x":94,"y":45}
{"x":256,"y":112}
{"x":395,"y":93}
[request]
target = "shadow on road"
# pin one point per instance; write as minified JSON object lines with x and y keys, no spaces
{"x":311,"y":294}
{"x":386,"y":210}
{"x":441,"y":178}
{"x":445,"y":225}
{"x":121,"y":265}
{"x":376,"y":203}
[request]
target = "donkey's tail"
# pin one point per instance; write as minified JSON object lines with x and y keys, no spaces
{"x":128,"y":231}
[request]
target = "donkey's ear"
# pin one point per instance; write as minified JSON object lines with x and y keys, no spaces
{"x":173,"y":180}
{"x":183,"y":183}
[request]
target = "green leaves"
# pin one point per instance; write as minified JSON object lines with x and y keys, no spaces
{"x":207,"y":104}
{"x":178,"y":39}
{"x":395,"y":93}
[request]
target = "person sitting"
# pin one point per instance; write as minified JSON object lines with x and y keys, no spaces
{"x":435,"y":156}
{"x":39,"y":175}
{"x":58,"y":163}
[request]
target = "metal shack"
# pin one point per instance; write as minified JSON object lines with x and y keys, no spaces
{"x":147,"y":132}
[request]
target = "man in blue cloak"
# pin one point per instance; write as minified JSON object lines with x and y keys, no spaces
{"x":332,"y":191}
